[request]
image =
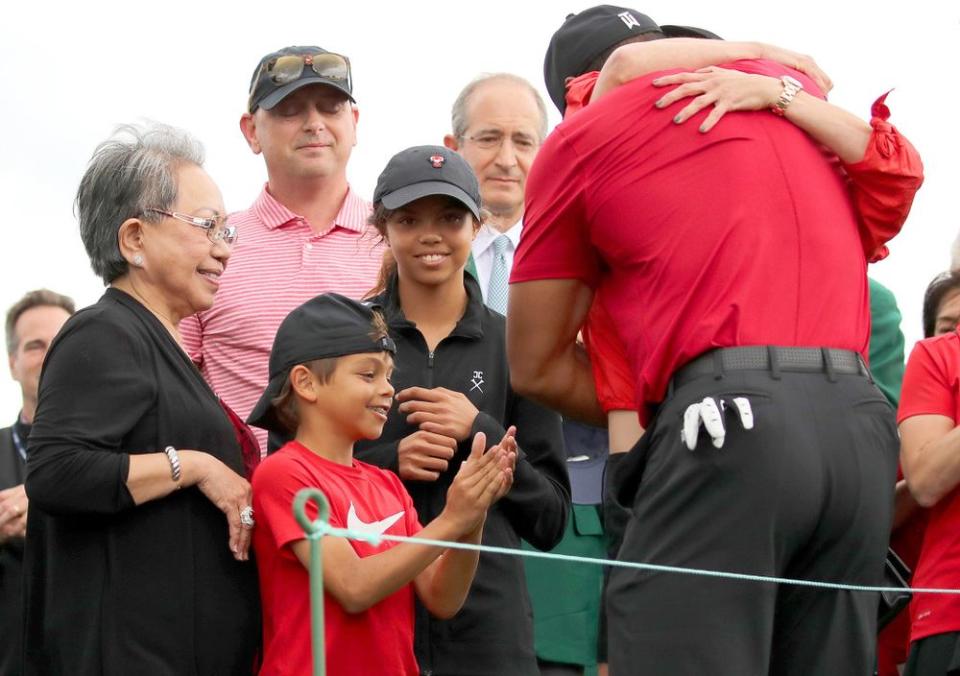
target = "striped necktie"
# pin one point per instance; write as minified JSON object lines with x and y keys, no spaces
{"x":498,"y":288}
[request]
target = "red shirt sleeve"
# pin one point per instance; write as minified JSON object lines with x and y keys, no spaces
{"x":884,"y":183}
{"x":579,"y":92}
{"x":611,"y":370}
{"x":927,"y":387}
{"x":275,"y":484}
{"x":555,"y":242}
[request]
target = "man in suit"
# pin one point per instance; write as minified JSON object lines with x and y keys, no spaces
{"x":31,"y":325}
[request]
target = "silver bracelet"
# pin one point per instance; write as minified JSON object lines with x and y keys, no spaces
{"x":174,"y":459}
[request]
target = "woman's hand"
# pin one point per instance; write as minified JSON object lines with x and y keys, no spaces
{"x":226,"y":489}
{"x":724,"y":89}
{"x":800,"y":62}
{"x":13,"y":513}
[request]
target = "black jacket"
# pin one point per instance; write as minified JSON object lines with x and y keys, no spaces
{"x":110,"y":587}
{"x":493,"y":633}
{"x":12,"y":471}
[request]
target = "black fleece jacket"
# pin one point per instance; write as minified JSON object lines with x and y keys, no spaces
{"x":493,"y":633}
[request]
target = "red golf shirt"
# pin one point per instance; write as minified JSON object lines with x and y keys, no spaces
{"x":743,"y":236}
{"x":882,"y":185}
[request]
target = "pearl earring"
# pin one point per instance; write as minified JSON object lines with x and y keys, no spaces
{"x":138,"y":260}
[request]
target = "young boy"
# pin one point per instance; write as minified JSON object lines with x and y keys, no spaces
{"x":330,"y":385}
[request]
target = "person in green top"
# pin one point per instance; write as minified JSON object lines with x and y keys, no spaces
{"x":886,"y":342}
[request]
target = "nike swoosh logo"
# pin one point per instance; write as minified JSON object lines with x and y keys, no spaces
{"x":355,"y":523}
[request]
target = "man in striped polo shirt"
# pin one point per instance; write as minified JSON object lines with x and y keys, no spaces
{"x":305,"y":234}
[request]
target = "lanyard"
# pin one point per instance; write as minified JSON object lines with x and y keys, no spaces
{"x":18,"y":442}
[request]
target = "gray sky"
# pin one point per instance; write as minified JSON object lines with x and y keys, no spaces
{"x":71,"y":72}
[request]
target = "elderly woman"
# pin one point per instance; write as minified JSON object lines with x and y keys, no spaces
{"x":140,"y":518}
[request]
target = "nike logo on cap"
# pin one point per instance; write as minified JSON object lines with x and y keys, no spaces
{"x":380,"y":527}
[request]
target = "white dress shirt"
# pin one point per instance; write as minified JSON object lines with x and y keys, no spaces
{"x":483,"y":251}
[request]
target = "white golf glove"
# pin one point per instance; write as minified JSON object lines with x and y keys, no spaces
{"x":710,"y":412}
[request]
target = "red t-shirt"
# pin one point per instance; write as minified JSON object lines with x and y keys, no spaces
{"x":893,"y":642}
{"x":931,"y":386}
{"x":882,"y":185}
{"x":743,"y":236}
{"x":376,"y":641}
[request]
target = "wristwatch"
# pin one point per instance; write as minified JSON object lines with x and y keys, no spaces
{"x":791,"y":87}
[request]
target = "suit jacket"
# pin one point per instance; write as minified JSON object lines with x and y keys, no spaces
{"x":12,"y":471}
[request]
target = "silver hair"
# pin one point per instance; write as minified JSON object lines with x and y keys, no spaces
{"x":458,"y":115}
{"x":131,"y":172}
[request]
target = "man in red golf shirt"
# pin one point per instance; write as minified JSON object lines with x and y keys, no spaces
{"x":735,"y":268}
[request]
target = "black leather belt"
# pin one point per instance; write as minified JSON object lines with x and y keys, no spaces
{"x":773,"y":359}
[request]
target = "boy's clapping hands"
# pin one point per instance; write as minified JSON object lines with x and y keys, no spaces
{"x":482,"y":479}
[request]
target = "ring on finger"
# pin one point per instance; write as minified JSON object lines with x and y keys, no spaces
{"x":246,"y":517}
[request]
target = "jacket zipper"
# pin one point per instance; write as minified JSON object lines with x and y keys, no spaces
{"x":430,"y":369}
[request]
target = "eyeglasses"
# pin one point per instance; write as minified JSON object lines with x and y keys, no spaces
{"x":217,"y":229}
{"x":327,"y":65}
{"x":490,"y":141}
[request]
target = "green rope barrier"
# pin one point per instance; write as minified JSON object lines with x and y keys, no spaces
{"x":314,"y":530}
{"x":320,"y":527}
{"x":327,"y":529}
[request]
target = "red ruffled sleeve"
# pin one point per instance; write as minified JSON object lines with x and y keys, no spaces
{"x":579,"y":91}
{"x":883,"y":183}
{"x":611,"y":371}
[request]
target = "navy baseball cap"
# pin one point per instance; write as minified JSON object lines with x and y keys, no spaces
{"x":587,"y":451}
{"x":588,"y":34}
{"x":422,"y":171}
{"x":329,"y":325}
{"x":286,"y":70}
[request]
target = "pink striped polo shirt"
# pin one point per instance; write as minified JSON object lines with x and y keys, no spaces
{"x":277,"y":263}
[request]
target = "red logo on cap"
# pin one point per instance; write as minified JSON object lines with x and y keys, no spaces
{"x":437,"y":161}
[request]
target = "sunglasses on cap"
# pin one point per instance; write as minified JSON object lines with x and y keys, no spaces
{"x":285,"y":69}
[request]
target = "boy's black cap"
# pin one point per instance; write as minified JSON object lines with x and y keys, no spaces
{"x":427,"y":170}
{"x":265,"y":93}
{"x":586,"y":35}
{"x":327,"y":326}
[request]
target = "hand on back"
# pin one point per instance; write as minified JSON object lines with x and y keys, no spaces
{"x":724,"y":89}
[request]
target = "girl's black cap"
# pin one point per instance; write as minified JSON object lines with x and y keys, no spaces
{"x":422,"y":171}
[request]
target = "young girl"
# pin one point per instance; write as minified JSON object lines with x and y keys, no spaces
{"x":452,"y":381}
